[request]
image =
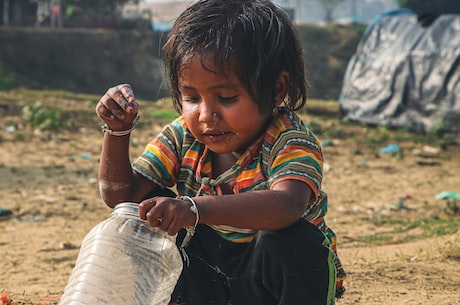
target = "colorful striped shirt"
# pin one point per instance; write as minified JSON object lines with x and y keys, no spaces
{"x":287,"y":150}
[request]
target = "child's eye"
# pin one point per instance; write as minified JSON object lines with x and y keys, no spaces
{"x":189,"y":99}
{"x":228,"y":99}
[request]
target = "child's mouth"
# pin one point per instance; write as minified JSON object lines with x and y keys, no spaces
{"x":216,"y":137}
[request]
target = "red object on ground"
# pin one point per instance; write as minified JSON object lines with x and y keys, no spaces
{"x":5,"y":299}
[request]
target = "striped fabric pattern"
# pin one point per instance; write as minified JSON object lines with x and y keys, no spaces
{"x":287,"y":150}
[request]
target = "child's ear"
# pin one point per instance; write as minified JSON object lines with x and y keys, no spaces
{"x":282,"y":86}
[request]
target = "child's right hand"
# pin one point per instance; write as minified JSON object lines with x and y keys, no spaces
{"x":118,"y":107}
{"x":169,"y":214}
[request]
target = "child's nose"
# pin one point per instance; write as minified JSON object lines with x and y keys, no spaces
{"x":207,"y":114}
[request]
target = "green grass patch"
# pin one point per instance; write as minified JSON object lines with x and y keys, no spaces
{"x":42,"y":118}
{"x":163,"y":115}
{"x":375,"y":239}
{"x":409,"y":230}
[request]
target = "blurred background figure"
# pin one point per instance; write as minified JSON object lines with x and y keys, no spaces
{"x":56,"y":16}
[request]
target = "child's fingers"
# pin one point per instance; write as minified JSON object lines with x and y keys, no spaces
{"x":165,"y":223}
{"x":128,"y":93}
{"x":103,"y":112}
{"x":118,"y":107}
{"x":145,"y":207}
{"x":123,"y":95}
{"x":163,"y":212}
{"x":150,"y":211}
{"x":110,"y":109}
{"x":174,"y":227}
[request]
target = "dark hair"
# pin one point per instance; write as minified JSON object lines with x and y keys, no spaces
{"x":254,"y":38}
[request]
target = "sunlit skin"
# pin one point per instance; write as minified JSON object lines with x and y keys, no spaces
{"x":217,"y":108}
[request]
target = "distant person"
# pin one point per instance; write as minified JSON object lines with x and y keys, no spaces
{"x":55,"y":16}
{"x":43,"y":12}
{"x":246,"y":168}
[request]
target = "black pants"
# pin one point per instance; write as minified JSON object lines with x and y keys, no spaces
{"x":286,"y":267}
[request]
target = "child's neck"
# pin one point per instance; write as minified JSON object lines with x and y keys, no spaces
{"x":222,"y":162}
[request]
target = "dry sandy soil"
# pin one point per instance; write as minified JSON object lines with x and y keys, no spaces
{"x":399,"y":244}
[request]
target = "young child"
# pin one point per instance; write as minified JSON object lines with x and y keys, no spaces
{"x":246,"y":168}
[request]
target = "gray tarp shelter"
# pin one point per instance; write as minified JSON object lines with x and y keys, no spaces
{"x":405,"y":75}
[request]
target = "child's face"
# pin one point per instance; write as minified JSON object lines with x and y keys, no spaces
{"x":217,"y":108}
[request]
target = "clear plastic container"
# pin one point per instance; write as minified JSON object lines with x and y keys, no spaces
{"x":124,"y":260}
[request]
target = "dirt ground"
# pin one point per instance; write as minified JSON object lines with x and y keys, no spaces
{"x":398,"y":243}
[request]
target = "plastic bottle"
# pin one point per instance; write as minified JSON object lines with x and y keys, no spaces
{"x":124,"y":260}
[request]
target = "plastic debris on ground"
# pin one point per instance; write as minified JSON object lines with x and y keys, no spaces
{"x":448,"y":195}
{"x":5,"y":213}
{"x":390,"y":148}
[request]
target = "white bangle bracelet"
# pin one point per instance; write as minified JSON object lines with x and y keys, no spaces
{"x":121,"y":133}
{"x":194,"y":210}
{"x":190,"y":230}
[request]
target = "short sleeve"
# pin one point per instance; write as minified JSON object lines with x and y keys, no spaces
{"x":296,"y":154}
{"x":161,"y":157}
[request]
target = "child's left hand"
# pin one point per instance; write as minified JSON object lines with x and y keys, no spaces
{"x":118,"y":107}
{"x":169,"y":214}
